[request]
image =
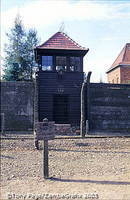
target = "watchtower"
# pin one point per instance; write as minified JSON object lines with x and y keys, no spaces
{"x":59,"y":79}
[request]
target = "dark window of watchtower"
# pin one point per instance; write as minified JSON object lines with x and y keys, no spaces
{"x":61,"y":63}
{"x":60,"y":109}
{"x":74,"y":63}
{"x":47,"y":63}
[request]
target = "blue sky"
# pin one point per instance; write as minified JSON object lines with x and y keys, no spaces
{"x":101,"y":26}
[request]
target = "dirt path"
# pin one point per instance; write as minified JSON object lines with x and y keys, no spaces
{"x":93,"y":168}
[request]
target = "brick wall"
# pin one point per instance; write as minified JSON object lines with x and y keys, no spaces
{"x":114,"y":76}
{"x":125,"y":74}
{"x":119,"y":75}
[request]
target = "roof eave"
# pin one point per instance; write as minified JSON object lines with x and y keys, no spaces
{"x":82,"y":49}
{"x":120,"y":65}
{"x":111,"y":69}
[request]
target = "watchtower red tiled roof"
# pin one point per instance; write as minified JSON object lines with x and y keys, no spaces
{"x":123,"y":58}
{"x":61,"y":40}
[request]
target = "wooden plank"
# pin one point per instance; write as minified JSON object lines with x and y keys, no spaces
{"x":108,"y":93}
{"x":110,"y":117}
{"x":109,"y":108}
{"x":109,"y":85}
{"x":45,"y":160}
{"x":110,"y":103}
{"x":111,"y":124}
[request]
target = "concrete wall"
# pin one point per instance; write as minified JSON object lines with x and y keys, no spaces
{"x":17,"y":103}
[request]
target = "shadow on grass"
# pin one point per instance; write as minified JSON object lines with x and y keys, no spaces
{"x":90,"y":181}
{"x":89,"y":151}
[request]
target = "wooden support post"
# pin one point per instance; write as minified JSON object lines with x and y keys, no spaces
{"x":35,"y":101}
{"x":35,"y":115}
{"x":45,"y":160}
{"x":36,"y":144}
{"x":88,"y":102}
{"x":83,"y":123}
{"x":87,"y":127}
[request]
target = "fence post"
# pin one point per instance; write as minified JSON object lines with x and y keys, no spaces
{"x":35,"y":100}
{"x":2,"y":123}
{"x":88,"y":102}
{"x":87,"y":127}
{"x":35,"y":110}
{"x":82,"y":122}
{"x":45,"y":160}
